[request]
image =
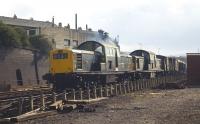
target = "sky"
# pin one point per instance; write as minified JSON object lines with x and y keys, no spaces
{"x":167,"y":27}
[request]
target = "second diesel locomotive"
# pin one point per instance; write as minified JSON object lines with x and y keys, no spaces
{"x":101,"y":62}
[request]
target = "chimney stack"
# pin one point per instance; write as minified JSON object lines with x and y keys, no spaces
{"x":15,"y":16}
{"x":60,"y":24}
{"x":53,"y":21}
{"x":76,"y":21}
{"x":86,"y":27}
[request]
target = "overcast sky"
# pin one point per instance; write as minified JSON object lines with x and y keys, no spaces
{"x":169,"y":27}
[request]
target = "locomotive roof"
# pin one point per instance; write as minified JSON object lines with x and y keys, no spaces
{"x":143,"y":51}
{"x":73,"y":50}
{"x":161,"y":56}
{"x":108,"y":43}
{"x":140,"y":57}
{"x":82,"y":51}
{"x":125,"y":54}
{"x":104,"y":43}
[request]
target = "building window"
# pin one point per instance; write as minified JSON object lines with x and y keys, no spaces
{"x":53,"y":41}
{"x":66,"y":42}
{"x":32,"y":32}
{"x":75,"y":43}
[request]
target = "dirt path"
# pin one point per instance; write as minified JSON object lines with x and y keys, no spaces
{"x":149,"y":107}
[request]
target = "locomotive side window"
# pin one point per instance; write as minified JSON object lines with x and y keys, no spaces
{"x":138,"y":63}
{"x":60,"y":56}
{"x":110,"y":64}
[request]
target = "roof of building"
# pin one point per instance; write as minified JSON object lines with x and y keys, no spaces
{"x":193,"y":54}
{"x":25,"y":22}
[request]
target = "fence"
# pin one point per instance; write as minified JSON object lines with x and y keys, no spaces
{"x":42,"y":101}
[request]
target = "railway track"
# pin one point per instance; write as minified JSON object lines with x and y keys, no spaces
{"x":11,"y":100}
{"x":24,"y":93}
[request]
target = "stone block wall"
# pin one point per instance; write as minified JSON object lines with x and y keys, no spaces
{"x":14,"y":59}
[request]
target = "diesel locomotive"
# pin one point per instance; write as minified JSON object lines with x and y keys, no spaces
{"x":101,"y":62}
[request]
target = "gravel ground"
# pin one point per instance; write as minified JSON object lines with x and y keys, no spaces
{"x":148,"y":107}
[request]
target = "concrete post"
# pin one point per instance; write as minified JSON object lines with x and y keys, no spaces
{"x":111,"y":89}
{"x":131,"y":86}
{"x":65,"y":95}
{"x":20,"y":101}
{"x":95,"y":92}
{"x":88,"y":93}
{"x":159,"y":81}
{"x":81,"y":94}
{"x":42,"y":101}
{"x":128,"y":87}
{"x":155,"y":82}
{"x":31,"y":103}
{"x":74,"y":94}
{"x":124,"y":86}
{"x":54,"y":97}
{"x":150,"y":83}
{"x":101,"y":91}
{"x":116,"y":92}
{"x":146,"y":84}
{"x":135,"y":85}
{"x":142,"y":84}
{"x":120,"y":88}
{"x":106,"y":91}
{"x":138,"y":83}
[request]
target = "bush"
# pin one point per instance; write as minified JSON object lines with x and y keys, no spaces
{"x":17,"y":37}
{"x":40,"y":43}
{"x":24,"y":41}
{"x":8,"y":36}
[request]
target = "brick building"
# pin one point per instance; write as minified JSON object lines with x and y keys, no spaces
{"x":58,"y":35}
{"x":193,"y":68}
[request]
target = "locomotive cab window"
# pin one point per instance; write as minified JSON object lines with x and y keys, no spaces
{"x":60,"y":56}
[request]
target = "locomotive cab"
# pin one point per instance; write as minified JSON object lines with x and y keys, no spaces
{"x":61,"y":61}
{"x":106,"y":54}
{"x":65,"y":61}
